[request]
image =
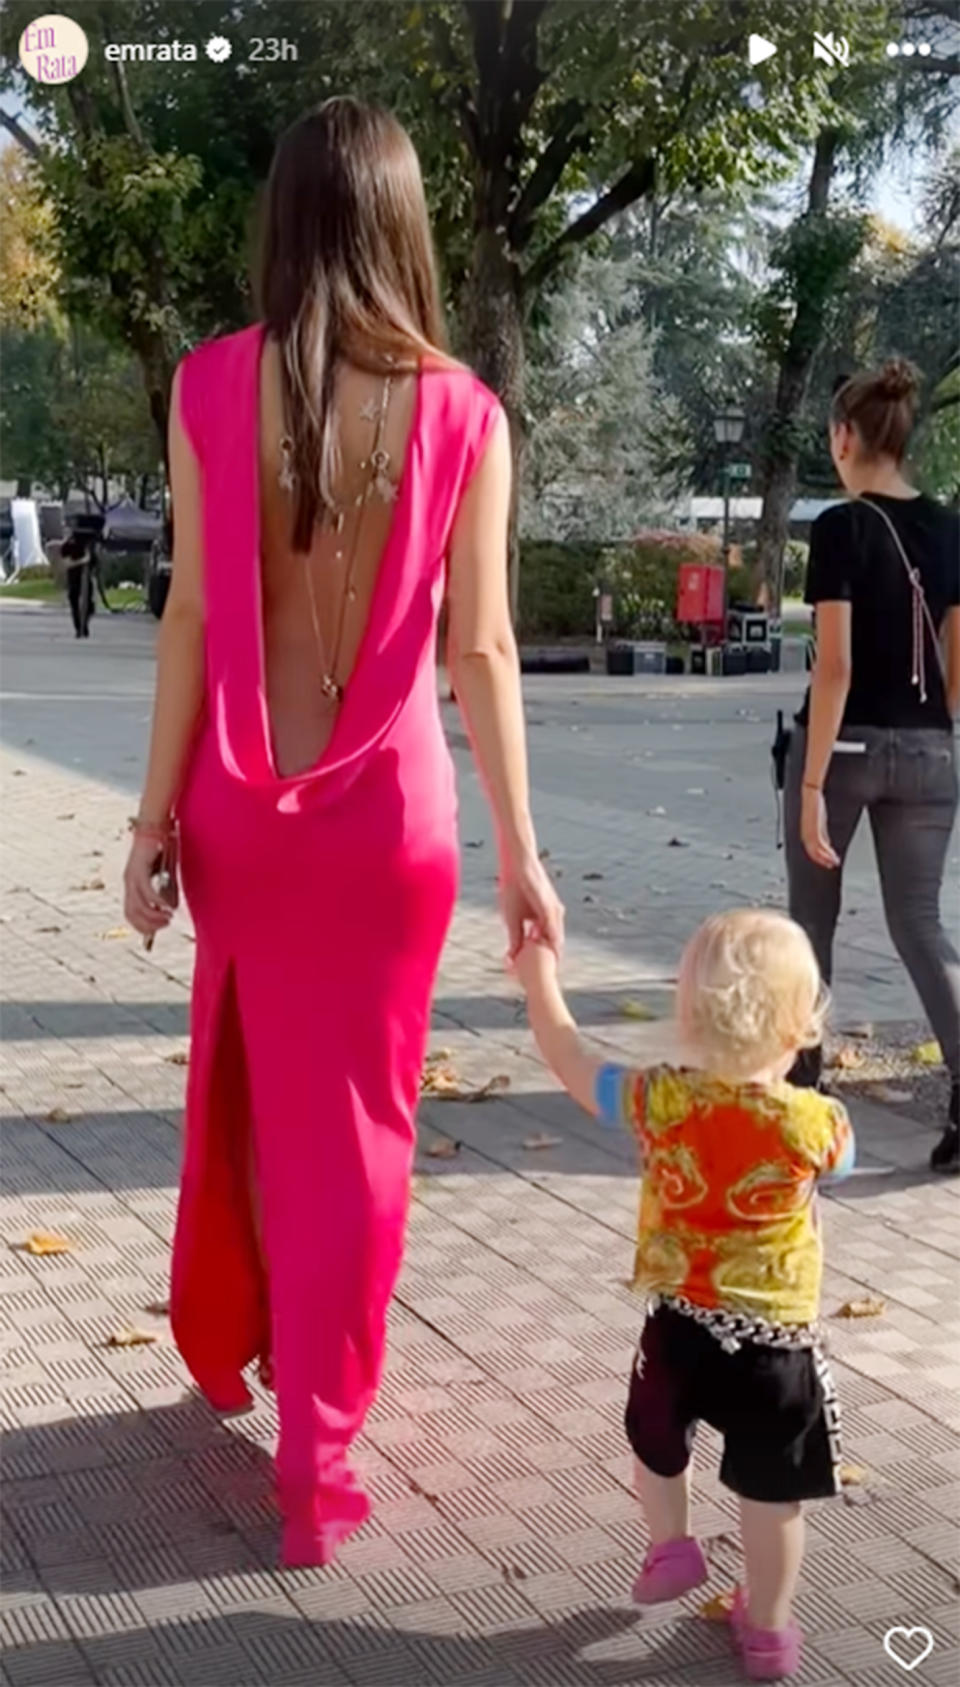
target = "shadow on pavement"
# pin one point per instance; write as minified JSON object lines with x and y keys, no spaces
{"x":26,"y":1021}
{"x":155,"y":1533}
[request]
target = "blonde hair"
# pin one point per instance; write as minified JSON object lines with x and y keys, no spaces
{"x":749,"y":991}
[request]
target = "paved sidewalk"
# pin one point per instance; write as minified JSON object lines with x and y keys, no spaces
{"x":140,"y":1536}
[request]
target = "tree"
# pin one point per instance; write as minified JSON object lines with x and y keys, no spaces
{"x":73,"y":412}
{"x":596,"y":416}
{"x":539,"y":123}
{"x":816,"y":259}
{"x":812,"y":260}
{"x":28,"y":268}
{"x":695,"y":260}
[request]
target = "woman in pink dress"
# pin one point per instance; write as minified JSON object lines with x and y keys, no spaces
{"x":335,"y":478}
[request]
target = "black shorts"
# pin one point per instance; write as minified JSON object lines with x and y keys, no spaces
{"x":775,"y":1407}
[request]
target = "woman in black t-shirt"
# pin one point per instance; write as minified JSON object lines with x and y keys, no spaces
{"x":876,"y":730}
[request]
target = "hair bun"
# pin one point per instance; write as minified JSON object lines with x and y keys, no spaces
{"x":898,"y":378}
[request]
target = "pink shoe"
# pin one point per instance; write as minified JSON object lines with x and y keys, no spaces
{"x":767,"y":1654}
{"x":669,"y":1571}
{"x":314,"y":1536}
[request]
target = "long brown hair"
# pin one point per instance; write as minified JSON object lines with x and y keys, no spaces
{"x":882,"y":405}
{"x":347,"y":271}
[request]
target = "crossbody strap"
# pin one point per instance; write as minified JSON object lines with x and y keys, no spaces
{"x":920,"y":616}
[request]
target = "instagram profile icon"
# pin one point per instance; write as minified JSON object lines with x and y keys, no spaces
{"x":53,"y":49}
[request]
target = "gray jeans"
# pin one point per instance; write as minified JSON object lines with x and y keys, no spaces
{"x":907,"y":782}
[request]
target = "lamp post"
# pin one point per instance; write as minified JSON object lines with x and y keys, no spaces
{"x":728,"y":430}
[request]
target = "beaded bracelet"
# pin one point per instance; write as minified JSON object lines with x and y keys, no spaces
{"x":157,"y":831}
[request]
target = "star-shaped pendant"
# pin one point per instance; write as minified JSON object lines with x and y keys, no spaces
{"x":368,"y":410}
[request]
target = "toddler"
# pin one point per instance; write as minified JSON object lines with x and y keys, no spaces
{"x":729,"y":1257}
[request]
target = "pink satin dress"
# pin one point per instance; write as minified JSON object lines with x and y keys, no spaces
{"x":321,"y":904}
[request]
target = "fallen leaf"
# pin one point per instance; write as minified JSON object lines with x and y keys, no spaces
{"x":441,"y":1081}
{"x":542,"y":1140}
{"x":444,"y":1148}
{"x":926,"y":1054}
{"x":19,"y":773}
{"x":180,"y":1058}
{"x":852,"y":1475}
{"x":439,"y":1078}
{"x":56,"y":1116}
{"x":115,"y":934}
{"x":544,"y":855}
{"x":717,"y":1609}
{"x":493,"y":1086}
{"x":846,"y":1059}
{"x":132,"y":1338}
{"x":41,"y":1242}
{"x":636,"y":1010}
{"x":868,"y":1307}
{"x":49,"y":931}
{"x":66,"y":817}
{"x":92,"y":884}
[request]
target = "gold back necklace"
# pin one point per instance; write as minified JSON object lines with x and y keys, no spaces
{"x":378,"y":485}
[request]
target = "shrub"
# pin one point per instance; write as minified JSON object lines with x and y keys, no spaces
{"x":557,"y":583}
{"x":556,"y":589}
{"x":644,"y":577}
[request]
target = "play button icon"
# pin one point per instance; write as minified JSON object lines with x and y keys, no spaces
{"x":759,"y":48}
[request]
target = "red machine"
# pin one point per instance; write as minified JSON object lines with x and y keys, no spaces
{"x":701,"y":595}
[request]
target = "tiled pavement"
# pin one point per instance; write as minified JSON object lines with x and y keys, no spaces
{"x":139,"y":1532}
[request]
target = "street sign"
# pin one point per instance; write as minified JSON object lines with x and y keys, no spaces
{"x":739,"y":471}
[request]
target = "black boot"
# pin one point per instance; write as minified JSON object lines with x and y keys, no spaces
{"x":946,"y":1156}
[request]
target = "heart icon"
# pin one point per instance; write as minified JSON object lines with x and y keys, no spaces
{"x":908,"y":1646}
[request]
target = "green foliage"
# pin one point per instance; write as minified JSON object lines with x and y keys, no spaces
{"x":742,"y":583}
{"x":644,"y":578}
{"x":935,"y":455}
{"x":596,"y":414}
{"x":72,"y":411}
{"x":558,"y":581}
{"x":812,"y":260}
{"x":556,"y":589}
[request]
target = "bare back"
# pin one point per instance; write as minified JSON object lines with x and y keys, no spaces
{"x":317,"y":604}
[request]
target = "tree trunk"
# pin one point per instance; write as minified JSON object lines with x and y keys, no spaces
{"x":779,"y":482}
{"x":492,"y":320}
{"x":158,"y":370}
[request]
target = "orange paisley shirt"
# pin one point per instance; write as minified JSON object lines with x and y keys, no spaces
{"x":728,"y":1217}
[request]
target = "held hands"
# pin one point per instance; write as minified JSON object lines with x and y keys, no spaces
{"x":535,"y":966}
{"x":814,"y":834}
{"x":531,"y":907}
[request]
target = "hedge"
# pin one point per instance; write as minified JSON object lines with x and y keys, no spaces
{"x":557,"y":583}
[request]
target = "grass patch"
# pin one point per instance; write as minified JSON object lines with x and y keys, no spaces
{"x":48,"y":591}
{"x":44,"y":591}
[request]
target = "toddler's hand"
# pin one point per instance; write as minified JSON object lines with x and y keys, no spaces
{"x":536,"y":964}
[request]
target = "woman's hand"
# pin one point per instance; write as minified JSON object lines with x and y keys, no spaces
{"x":143,"y":909}
{"x":531,"y":907}
{"x":814,"y":834}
